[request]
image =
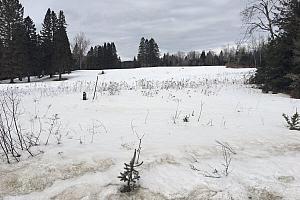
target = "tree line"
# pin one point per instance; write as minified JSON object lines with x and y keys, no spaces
{"x":103,"y":57}
{"x":26,"y":53}
{"x":193,"y":58}
{"x":280,"y":71}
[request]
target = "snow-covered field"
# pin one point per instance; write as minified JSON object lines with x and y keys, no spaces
{"x":97,"y":136}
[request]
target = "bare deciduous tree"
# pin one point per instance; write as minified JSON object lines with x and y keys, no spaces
{"x":260,"y":15}
{"x":80,"y":46}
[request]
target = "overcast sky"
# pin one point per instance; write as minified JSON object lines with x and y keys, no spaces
{"x":183,"y":25}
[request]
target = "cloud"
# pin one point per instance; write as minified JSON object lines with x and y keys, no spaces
{"x":174,"y":24}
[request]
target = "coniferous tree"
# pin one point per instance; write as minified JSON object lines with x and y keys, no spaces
{"x":103,"y":57}
{"x":153,"y":56}
{"x":142,"y":53}
{"x":62,"y":56}
{"x":115,"y":58}
{"x":203,"y":58}
{"x":32,"y":67}
{"x":221,"y":59}
{"x":295,"y":86}
{"x":90,"y":58}
{"x":11,"y":21}
{"x":21,"y":54}
{"x":54,"y":23}
{"x":76,"y":56}
{"x":280,"y":54}
{"x":148,"y":55}
{"x":47,"y":44}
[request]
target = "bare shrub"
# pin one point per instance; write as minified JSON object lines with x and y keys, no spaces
{"x":177,"y":113}
{"x":54,"y":129}
{"x":12,"y":139}
{"x":227,"y":152}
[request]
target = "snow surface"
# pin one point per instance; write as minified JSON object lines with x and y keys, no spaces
{"x":98,"y":136}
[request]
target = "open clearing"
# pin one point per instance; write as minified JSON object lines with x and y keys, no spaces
{"x":98,"y":136}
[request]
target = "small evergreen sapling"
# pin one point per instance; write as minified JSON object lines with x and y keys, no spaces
{"x":293,"y":122}
{"x":130,"y":175}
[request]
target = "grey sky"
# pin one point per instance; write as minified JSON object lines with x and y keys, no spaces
{"x":175,"y":24}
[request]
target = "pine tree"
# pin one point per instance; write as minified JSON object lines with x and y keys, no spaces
{"x":114,"y":56}
{"x":203,"y":58}
{"x":62,"y":56}
{"x":32,"y":67}
{"x":76,"y":56}
{"x":90,"y":58}
{"x":47,"y":44}
{"x":141,"y":58}
{"x":54,"y":24}
{"x":147,"y":54}
{"x":295,"y":86}
{"x":221,"y":58}
{"x":21,"y":54}
{"x":153,"y":53}
{"x":11,"y":21}
{"x":61,"y":22}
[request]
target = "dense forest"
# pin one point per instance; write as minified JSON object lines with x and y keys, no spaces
{"x":26,"y":53}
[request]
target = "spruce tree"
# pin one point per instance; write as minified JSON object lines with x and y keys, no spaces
{"x":90,"y":58}
{"x":114,"y":56}
{"x":62,"y":57}
{"x":47,"y":44}
{"x":141,"y":58}
{"x":153,"y":55}
{"x":21,"y":54}
{"x":203,"y":58}
{"x":221,"y":59}
{"x":76,"y":56}
{"x":147,"y":54}
{"x":32,"y":67}
{"x":11,"y":21}
{"x":98,"y":57}
{"x":295,"y":86}
{"x":54,"y":23}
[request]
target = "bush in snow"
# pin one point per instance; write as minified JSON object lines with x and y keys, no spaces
{"x":227,"y":152}
{"x":13,"y":141}
{"x":130,"y":176}
{"x":293,"y":122}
